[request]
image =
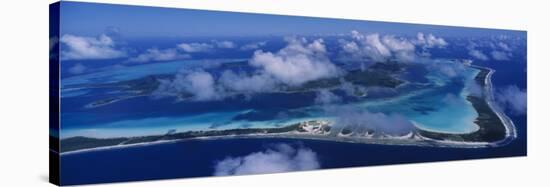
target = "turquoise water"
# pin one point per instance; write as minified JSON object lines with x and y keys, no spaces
{"x":446,"y":105}
{"x":115,"y":74}
{"x":440,"y":107}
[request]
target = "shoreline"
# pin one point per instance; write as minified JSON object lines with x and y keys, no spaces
{"x":416,"y":139}
{"x":511,"y":132}
{"x":496,"y":128}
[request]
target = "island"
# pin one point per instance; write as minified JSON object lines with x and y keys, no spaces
{"x":495,"y":128}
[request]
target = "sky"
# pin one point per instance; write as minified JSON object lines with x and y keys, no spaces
{"x":93,"y":19}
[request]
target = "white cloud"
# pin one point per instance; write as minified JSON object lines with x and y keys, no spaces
{"x":477,"y":54}
{"x":360,"y":121}
{"x":205,"y":47}
{"x":452,"y":99}
{"x":352,"y":90}
{"x":374,"y":47}
{"x":253,"y":46}
{"x":350,"y":47}
{"x":203,"y":86}
{"x":85,"y":48}
{"x":513,"y":99}
{"x":474,"y":88}
{"x":243,"y":83}
{"x":225,"y":44}
{"x":430,"y":41}
{"x":279,"y":158}
{"x":297,"y":63}
{"x":397,"y":44}
{"x":499,"y":50}
{"x":426,"y":42}
{"x":384,"y":47}
{"x":366,"y":46}
{"x":379,"y":48}
{"x":155,"y":54}
{"x":327,"y":97}
{"x":200,"y":84}
{"x":404,"y":51}
{"x":77,"y":69}
{"x":300,"y":61}
{"x":504,"y":46}
{"x":195,"y":47}
{"x":449,"y":70}
{"x":500,"y":56}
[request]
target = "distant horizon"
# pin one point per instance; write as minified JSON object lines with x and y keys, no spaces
{"x":134,"y":22}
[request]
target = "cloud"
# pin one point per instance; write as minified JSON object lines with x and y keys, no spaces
{"x":224,"y":44}
{"x":504,"y":46}
{"x":198,"y":83}
{"x":278,"y":158}
{"x":350,"y":47}
{"x":500,"y":51}
{"x":474,"y":88}
{"x":450,"y":70}
{"x":512,"y":99}
{"x":77,"y":69}
{"x":378,"y":90}
{"x":243,"y":83}
{"x":297,"y":63}
{"x":205,"y":47}
{"x":365,"y":47}
{"x":500,"y":56}
{"x":300,"y":61}
{"x":327,"y":97}
{"x":253,"y":46}
{"x":404,"y":51}
{"x":154,"y":54}
{"x":426,"y":42}
{"x":201,"y":85}
{"x":430,"y":41}
{"x":359,"y":121}
{"x":477,"y":54}
{"x":452,"y":99}
{"x":88,"y":48}
{"x":372,"y":46}
{"x":348,"y":88}
{"x":385,"y":47}
{"x":195,"y":47}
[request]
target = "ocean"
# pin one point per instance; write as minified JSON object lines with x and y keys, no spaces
{"x":197,"y":158}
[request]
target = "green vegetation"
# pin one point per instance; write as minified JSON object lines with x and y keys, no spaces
{"x":78,"y":143}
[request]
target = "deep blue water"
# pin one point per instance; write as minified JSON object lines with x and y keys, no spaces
{"x":197,"y":158}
